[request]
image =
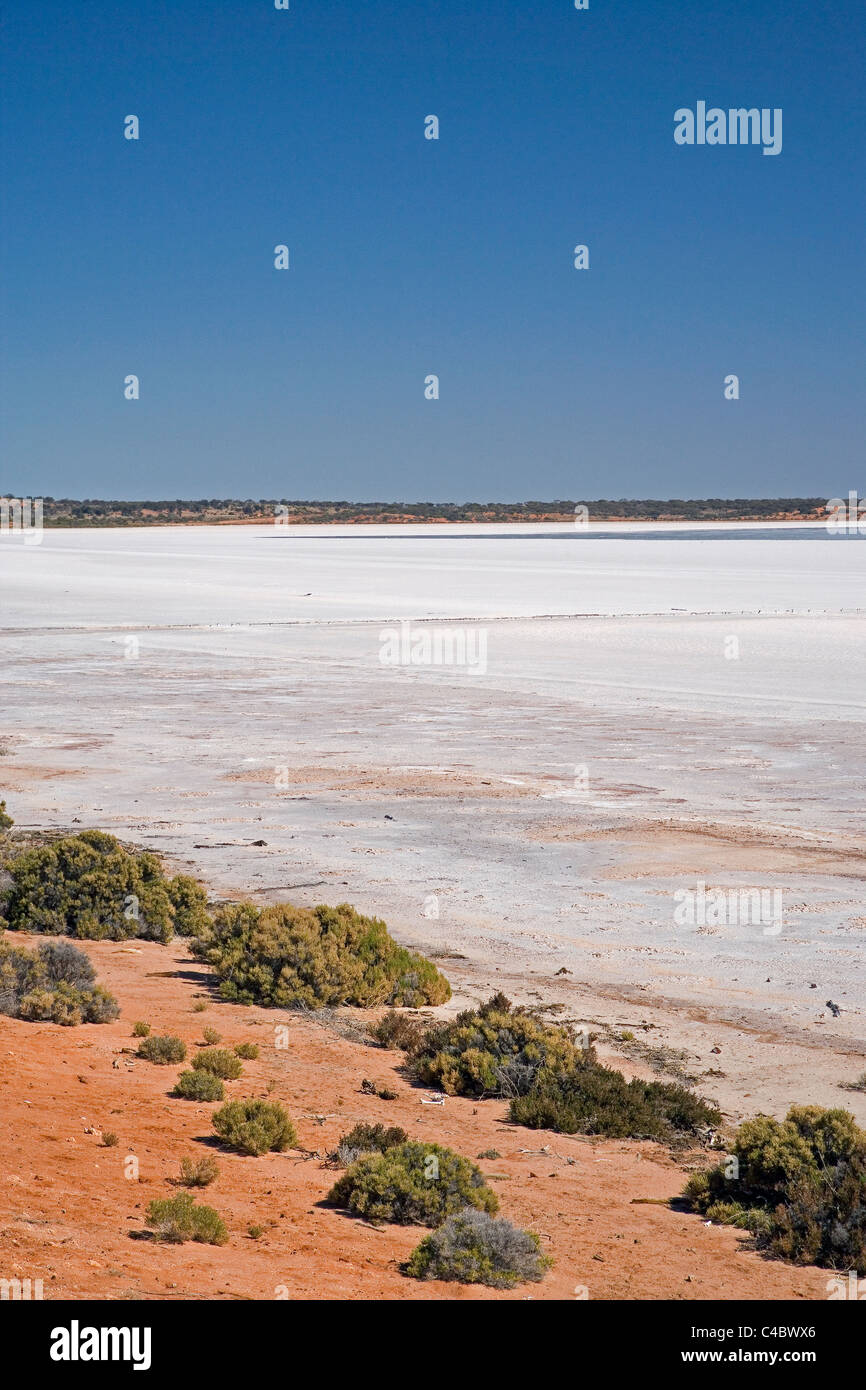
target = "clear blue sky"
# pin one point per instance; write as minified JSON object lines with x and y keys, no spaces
{"x":411,"y":257}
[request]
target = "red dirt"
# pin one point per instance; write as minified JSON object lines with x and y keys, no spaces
{"x":68,"y":1214}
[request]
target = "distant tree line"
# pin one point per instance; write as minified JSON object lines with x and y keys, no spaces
{"x":65,"y":511}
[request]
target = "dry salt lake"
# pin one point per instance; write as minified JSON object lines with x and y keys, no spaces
{"x":660,"y":710}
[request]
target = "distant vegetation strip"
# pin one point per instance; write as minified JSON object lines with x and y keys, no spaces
{"x":64,"y":511}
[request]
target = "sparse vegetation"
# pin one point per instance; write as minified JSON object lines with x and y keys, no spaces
{"x":179,"y":1218}
{"x":474,"y":1248}
{"x":219,"y":1062}
{"x":6,"y":821}
{"x":412,"y":1183}
{"x":299,"y":957}
{"x":199,"y":1085}
{"x":88,"y":886}
{"x":365,"y":1139}
{"x":141,"y":1030}
{"x":858,"y":1085}
{"x":109,"y":1139}
{"x":162,"y":1048}
{"x":255,"y":1126}
{"x":796,"y":1184}
{"x":551,"y":1082}
{"x":211,"y":1036}
{"x":199,"y":1172}
{"x":56,"y":983}
{"x":248,"y":1051}
{"x":255,"y":1232}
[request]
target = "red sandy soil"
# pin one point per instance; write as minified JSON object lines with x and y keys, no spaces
{"x":69,"y":1216}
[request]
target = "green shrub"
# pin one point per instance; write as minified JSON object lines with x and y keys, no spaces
{"x":88,"y":886}
{"x":176,"y":1219}
{"x":6,"y":821}
{"x":162,"y":1049}
{"x":412,"y":1184}
{"x":290,"y":956}
{"x":219,"y":1062}
{"x":255,"y":1232}
{"x":54,"y":984}
{"x":255,"y":1126}
{"x":198,"y":1172}
{"x":592,"y":1099}
{"x":109,"y":1139}
{"x":141,"y":1030}
{"x":365,"y":1139}
{"x":798,"y":1184}
{"x":189,"y":903}
{"x":249,"y":1051}
{"x":211,"y":1035}
{"x":199,"y":1085}
{"x":399,"y":1031}
{"x":495,"y":1050}
{"x":474,"y":1248}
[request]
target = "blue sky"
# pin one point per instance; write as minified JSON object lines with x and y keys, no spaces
{"x":411,"y":257}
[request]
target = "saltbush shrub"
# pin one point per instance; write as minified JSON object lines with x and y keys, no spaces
{"x":496,"y":1050}
{"x":798,"y":1184}
{"x":219,"y":1062}
{"x":199,"y":1085}
{"x":474,"y":1248}
{"x":403,"y":1032}
{"x":179,"y":1218}
{"x":412,"y":1184}
{"x":54,"y":984}
{"x":199,"y":1172}
{"x":88,"y":886}
{"x":141,"y":1029}
{"x":290,"y":956}
{"x":592,"y":1099}
{"x":6,"y":821}
{"x":211,"y":1036}
{"x":162,"y":1048}
{"x":255,"y":1126}
{"x":249,"y":1051}
{"x":365,"y":1139}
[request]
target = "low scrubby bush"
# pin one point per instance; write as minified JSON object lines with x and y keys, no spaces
{"x":412,"y":1184}
{"x":6,"y":821}
{"x":162,"y":1048}
{"x":179,"y":1218}
{"x":364,"y":1139}
{"x":495,"y":1050}
{"x":88,"y":886}
{"x":474,"y":1248}
{"x":255,"y":1126}
{"x":200,"y":1172}
{"x":211,"y":1036}
{"x":141,"y":1030}
{"x":592,"y":1099}
{"x":199,"y":1085}
{"x":798,"y":1185}
{"x":219,"y":1062}
{"x":53,"y":984}
{"x":249,"y":1051}
{"x":290,"y":956}
{"x":403,"y":1032}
